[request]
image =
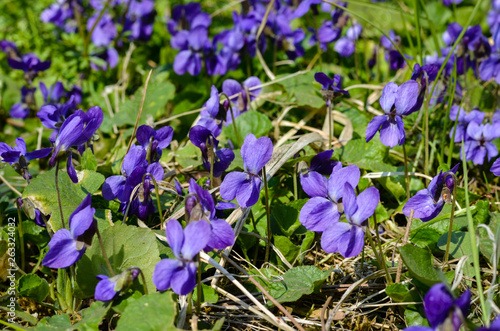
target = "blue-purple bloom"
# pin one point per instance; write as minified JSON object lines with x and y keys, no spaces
{"x":495,"y":167}
{"x":464,"y":119}
{"x":68,"y":246}
{"x":104,"y":31}
{"x":19,"y":159}
{"x":154,"y":141}
{"x":22,"y":109}
{"x":192,"y":44}
{"x":202,"y":207}
{"x":139,"y":19}
{"x":330,"y":88}
{"x":396,"y":103}
{"x":108,"y":288}
{"x":61,"y":14}
{"x":241,"y":95}
{"x":180,"y":273}
{"x":443,"y":311}
{"x":76,"y":131}
{"x":393,"y":56}
{"x":428,"y":202}
{"x":346,"y":46}
{"x":324,"y":208}
{"x":212,"y":116}
{"x":109,"y":55}
{"x":245,"y":186}
{"x":478,"y":143}
{"x":348,"y":238}
{"x":204,"y":139}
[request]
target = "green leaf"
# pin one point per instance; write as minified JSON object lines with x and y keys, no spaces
{"x":208,"y":294}
{"x":485,"y":243}
{"x":419,"y":262}
{"x":302,"y":88}
{"x":42,"y":192}
{"x":306,"y":244}
{"x":35,"y":233}
{"x":460,"y":244}
{"x":33,"y":287}
{"x":297,"y":282}
{"x":426,"y":237}
{"x":157,"y":96}
{"x":397,"y":292}
{"x":54,"y":323}
{"x":365,"y":155}
{"x":93,"y":316}
{"x":151,"y":312}
{"x":415,"y":316}
{"x":287,"y":217}
{"x":286,"y":247}
{"x":88,"y":160}
{"x":249,"y":122}
{"x":126,"y":246}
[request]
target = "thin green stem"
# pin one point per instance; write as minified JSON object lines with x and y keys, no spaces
{"x":86,"y":41}
{"x":21,"y":235}
{"x":104,"y":252}
{"x":380,"y":259}
{"x":232,"y":118}
{"x":212,"y":161}
{"x":144,"y":285}
{"x":268,"y":215}
{"x":472,"y":234}
{"x":198,"y":287}
{"x":450,"y":104}
{"x":59,"y":202}
{"x":12,"y":326}
{"x":407,"y":178}
{"x":330,"y":120}
{"x":375,"y":225}
{"x":158,"y":203}
{"x":295,"y":189}
{"x":417,"y":23}
{"x":450,"y":230}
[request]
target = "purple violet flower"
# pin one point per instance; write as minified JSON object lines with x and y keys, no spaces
{"x":240,"y":95}
{"x":19,"y":159}
{"x":30,"y":64}
{"x":104,"y":31}
{"x":204,"y":139}
{"x":443,"y":311}
{"x":245,"y":186}
{"x":142,"y":206}
{"x":478,"y":143}
{"x":330,"y":88}
{"x":109,"y":55}
{"x":494,"y":326}
{"x":154,"y":141}
{"x":192,"y":45}
{"x":180,"y":273}
{"x":188,"y":17}
{"x":108,"y":288}
{"x":495,"y":167}
{"x":77,"y":130}
{"x":428,"y":202}
{"x":10,"y":49}
{"x":396,"y":103}
{"x":139,"y":19}
{"x":464,"y":119}
{"x":214,"y":114}
{"x":348,"y":238}
{"x":346,"y":46}
{"x":222,"y":234}
{"x":22,"y":109}
{"x":68,"y":246}
{"x":325,"y":208}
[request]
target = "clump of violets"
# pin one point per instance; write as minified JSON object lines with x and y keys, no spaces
{"x":18,"y":157}
{"x":179,"y":273}
{"x":443,"y":311}
{"x":396,"y":101}
{"x":140,"y":169}
{"x":330,"y":199}
{"x":22,"y":109}
{"x":428,"y":202}
{"x":395,"y":59}
{"x":68,"y":246}
{"x":245,"y":186}
{"x":109,"y":288}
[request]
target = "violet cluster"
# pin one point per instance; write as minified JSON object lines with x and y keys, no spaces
{"x":332,"y":198}
{"x":140,"y":169}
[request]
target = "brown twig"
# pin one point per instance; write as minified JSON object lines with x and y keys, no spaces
{"x":263,"y":290}
{"x":328,"y":300}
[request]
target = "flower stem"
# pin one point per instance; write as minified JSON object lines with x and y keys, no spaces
{"x":295,"y":190}
{"x":198,"y":287}
{"x":407,"y":179}
{"x":232,"y":118}
{"x":446,"y":254}
{"x":472,"y":234}
{"x":405,"y":240}
{"x":104,"y":252}
{"x":145,"y":286}
{"x":375,"y":224}
{"x":158,"y":203}
{"x":330,"y":124}
{"x":21,"y":234}
{"x":380,"y":259}
{"x":59,"y":195}
{"x":269,"y":234}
